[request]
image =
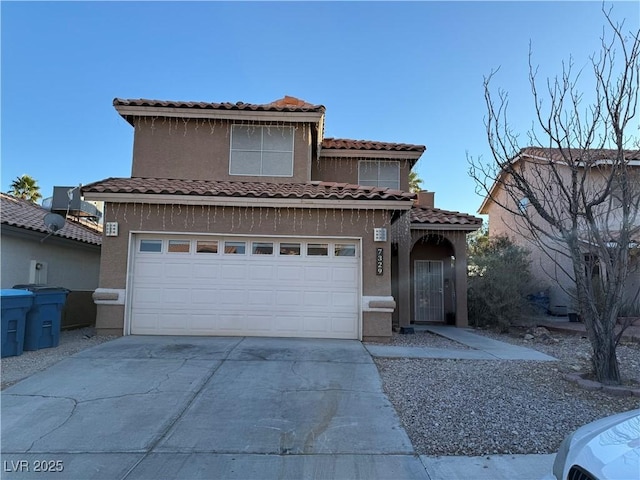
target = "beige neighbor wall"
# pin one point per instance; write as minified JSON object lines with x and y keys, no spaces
{"x":70,"y":264}
{"x":191,"y":148}
{"x":552,"y":270}
{"x":329,"y":169}
{"x":254,"y":221}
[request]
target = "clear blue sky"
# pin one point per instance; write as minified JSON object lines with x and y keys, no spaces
{"x":397,"y":72}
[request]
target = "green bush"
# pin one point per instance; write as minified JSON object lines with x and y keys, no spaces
{"x":499,"y":280}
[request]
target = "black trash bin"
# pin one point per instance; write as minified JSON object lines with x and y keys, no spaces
{"x":42,"y":328}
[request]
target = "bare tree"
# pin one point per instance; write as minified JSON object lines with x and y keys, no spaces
{"x":577,"y":193}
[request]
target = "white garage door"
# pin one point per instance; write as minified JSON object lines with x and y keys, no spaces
{"x":245,"y":286}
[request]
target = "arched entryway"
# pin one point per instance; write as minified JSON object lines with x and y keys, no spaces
{"x":432,"y":274}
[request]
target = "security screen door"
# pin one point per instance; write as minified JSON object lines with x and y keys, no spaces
{"x":427,"y":281}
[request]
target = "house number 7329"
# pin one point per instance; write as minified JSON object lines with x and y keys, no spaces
{"x":379,"y":261}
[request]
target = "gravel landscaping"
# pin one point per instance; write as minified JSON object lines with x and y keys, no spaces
{"x":472,"y":407}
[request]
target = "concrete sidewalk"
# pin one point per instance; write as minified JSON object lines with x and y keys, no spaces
{"x":483,"y":348}
{"x":491,"y":467}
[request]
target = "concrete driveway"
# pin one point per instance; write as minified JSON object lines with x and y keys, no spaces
{"x":195,"y":407}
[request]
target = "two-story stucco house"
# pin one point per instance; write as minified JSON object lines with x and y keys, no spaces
{"x":552,"y":268}
{"x":242,"y":219}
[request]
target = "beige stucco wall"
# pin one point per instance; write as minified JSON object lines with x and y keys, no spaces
{"x":345,"y":170}
{"x":244,"y":221}
{"x":191,"y":148}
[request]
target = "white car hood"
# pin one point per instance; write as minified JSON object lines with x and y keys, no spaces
{"x":610,"y":447}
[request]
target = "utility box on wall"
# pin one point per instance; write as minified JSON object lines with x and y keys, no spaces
{"x":379,"y":234}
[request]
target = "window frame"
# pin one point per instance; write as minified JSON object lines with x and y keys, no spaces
{"x":257,"y":245}
{"x":177,"y":241}
{"x":238,"y":243}
{"x":317,"y":247}
{"x":217,"y":243}
{"x":263,"y":131}
{"x":378,"y":164}
{"x":151,"y":241}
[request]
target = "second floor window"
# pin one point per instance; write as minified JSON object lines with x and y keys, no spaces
{"x":265,"y":151}
{"x":385,"y":174}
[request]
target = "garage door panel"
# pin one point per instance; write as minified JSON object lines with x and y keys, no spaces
{"x":203,"y":323}
{"x":317,"y":274}
{"x":246,"y":294}
{"x":172,"y":323}
{"x":176,"y":296}
{"x":147,"y":296}
{"x":316,"y":323}
{"x":146,"y":323}
{"x":341,"y":323}
{"x":205,"y":271}
{"x":231,"y":322}
{"x":288,"y":298}
{"x":234,"y":271}
{"x":261,"y":298}
{"x":261,"y":272}
{"x":290,"y":272}
{"x":260,"y":323}
{"x":287,"y":323}
{"x":317,"y":299}
{"x":204,"y":296}
{"x":344,"y":299}
{"x":149,"y":269}
{"x":346,"y":275}
{"x":235,"y":297}
{"x":177,"y":270}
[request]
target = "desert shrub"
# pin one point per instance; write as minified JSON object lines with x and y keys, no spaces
{"x":499,"y":280}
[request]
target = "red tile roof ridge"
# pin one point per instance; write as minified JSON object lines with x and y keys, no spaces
{"x":225,"y":188}
{"x":350,"y":144}
{"x":421,"y":214}
{"x":286,"y":103}
{"x":556,"y":154}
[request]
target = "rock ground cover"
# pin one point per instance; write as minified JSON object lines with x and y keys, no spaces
{"x":471,"y":407}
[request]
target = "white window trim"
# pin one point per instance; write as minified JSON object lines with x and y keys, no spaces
{"x":262,"y":130}
{"x":378,"y":163}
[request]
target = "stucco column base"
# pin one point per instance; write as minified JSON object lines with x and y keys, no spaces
{"x":110,"y":319}
{"x":376,"y":325}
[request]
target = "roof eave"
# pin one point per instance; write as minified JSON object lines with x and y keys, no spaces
{"x":128,"y":112}
{"x":446,"y":226}
{"x":247,"y":201}
{"x":413,"y":156}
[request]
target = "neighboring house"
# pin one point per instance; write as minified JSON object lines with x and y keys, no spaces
{"x":68,"y":258}
{"x":241,"y":219}
{"x":552,"y":269}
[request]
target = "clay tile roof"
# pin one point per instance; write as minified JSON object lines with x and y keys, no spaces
{"x":442,"y":217}
{"x":317,"y":190}
{"x":285,"y":104}
{"x":24,"y":214}
{"x":556,"y":155}
{"x":347,"y":144}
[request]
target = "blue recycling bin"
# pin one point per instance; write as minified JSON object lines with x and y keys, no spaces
{"x":15,"y":305}
{"x":42,"y":327}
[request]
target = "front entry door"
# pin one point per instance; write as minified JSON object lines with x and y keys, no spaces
{"x":428,"y":292}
